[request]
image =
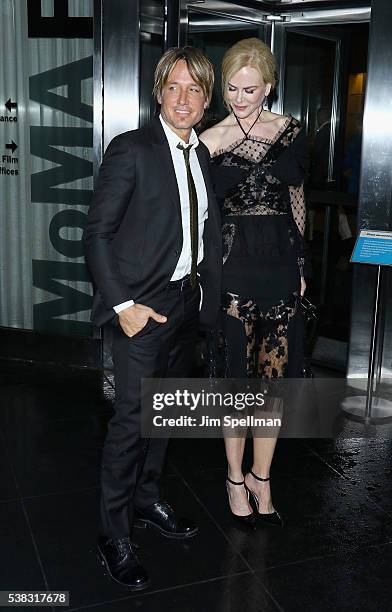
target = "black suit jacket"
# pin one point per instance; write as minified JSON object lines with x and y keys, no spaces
{"x":133,"y":235}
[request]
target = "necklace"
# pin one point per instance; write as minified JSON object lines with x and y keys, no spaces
{"x":246,"y":134}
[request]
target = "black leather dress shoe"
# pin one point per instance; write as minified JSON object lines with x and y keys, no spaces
{"x":121,"y":563}
{"x":161,"y":516}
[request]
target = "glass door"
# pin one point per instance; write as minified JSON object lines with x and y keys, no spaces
{"x":322,"y":61}
{"x":312,"y":90}
{"x":322,"y":83}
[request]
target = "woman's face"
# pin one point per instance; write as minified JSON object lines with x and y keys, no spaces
{"x":246,"y":91}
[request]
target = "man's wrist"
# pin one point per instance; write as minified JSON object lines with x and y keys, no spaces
{"x":123,"y":306}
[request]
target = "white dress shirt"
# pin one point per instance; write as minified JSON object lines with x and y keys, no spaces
{"x":184,"y":262}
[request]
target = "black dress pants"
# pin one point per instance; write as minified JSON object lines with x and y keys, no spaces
{"x":131,"y":465}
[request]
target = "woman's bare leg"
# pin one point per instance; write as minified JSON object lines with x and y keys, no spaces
{"x":238,"y":499}
{"x":263,"y":452}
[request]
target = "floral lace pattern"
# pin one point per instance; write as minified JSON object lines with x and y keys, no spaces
{"x":266,"y":333}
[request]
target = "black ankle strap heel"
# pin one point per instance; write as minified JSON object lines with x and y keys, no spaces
{"x":259,"y":477}
{"x":272,"y":518}
{"x":247,"y":520}
{"x":233,"y":481}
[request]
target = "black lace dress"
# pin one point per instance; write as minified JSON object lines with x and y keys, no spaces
{"x":259,"y":185}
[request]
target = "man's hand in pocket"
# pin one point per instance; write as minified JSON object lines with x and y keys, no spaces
{"x":135,"y":317}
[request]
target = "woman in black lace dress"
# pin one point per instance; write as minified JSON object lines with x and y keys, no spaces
{"x":258,"y":165}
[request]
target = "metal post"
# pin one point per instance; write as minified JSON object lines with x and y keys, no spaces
{"x":370,"y":408}
{"x":372,"y":354}
{"x":121,"y":56}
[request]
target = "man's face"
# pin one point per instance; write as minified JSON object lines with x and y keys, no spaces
{"x":182,"y":101}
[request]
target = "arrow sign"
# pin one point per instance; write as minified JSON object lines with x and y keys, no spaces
{"x":12,"y":146}
{"x":10,"y":105}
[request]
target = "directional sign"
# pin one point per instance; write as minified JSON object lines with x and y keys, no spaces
{"x":373,"y":247}
{"x":11,"y":146}
{"x":11,"y":105}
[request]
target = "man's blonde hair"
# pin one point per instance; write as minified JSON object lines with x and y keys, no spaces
{"x":248,"y":52}
{"x":199,"y":66}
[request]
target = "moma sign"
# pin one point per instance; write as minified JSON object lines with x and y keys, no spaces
{"x":61,"y":140}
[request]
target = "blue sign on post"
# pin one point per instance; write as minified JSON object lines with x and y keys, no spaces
{"x":373,"y":247}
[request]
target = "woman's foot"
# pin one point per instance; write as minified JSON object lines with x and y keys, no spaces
{"x":259,"y":489}
{"x":238,"y":497}
{"x":261,"y":492}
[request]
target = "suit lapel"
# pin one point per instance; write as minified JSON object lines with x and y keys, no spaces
{"x":164,"y":164}
{"x":205,"y":169}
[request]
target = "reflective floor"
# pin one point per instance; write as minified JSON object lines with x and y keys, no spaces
{"x":334,"y":552}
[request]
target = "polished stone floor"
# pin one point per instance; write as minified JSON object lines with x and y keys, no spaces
{"x":334,"y":552}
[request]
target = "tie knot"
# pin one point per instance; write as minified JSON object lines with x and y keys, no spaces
{"x":186,"y":149}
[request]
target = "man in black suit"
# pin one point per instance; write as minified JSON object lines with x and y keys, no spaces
{"x":152,"y":237}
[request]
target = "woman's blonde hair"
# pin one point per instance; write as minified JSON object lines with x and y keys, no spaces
{"x":248,"y":52}
{"x":199,"y":66}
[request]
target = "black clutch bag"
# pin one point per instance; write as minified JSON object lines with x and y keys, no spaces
{"x":309,"y":310}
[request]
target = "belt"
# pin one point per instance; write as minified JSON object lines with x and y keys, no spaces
{"x":181,"y":284}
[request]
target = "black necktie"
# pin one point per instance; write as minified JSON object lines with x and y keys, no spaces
{"x":193,"y":212}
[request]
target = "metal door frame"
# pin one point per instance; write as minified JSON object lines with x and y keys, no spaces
{"x":222,"y":10}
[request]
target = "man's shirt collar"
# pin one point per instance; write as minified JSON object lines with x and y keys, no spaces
{"x":174,"y":139}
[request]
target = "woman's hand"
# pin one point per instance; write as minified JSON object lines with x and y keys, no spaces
{"x":303,"y":286}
